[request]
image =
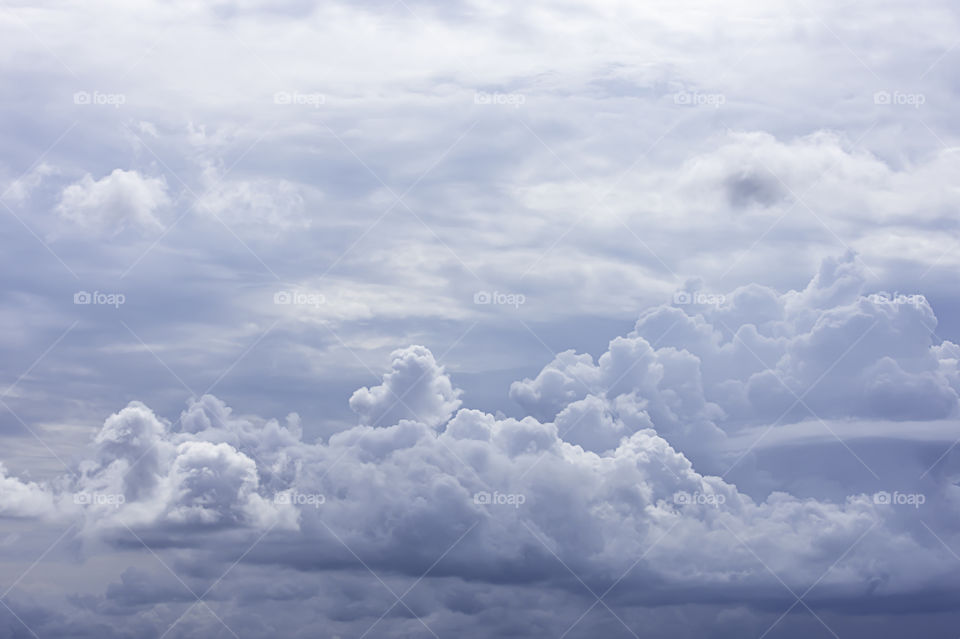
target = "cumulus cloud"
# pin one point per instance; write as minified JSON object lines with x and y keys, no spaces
{"x":416,"y":388}
{"x":23,"y":498}
{"x":724,"y":362}
{"x":145,"y":475}
{"x":116,"y":202}
{"x":598,"y":482}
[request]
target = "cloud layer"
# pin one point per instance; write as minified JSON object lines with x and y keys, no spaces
{"x":594,"y":492}
{"x":395,"y":319}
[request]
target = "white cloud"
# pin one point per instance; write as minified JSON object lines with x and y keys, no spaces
{"x":23,"y":187}
{"x":416,"y":388}
{"x":116,"y":202}
{"x":603,"y":476}
{"x":830,"y":350}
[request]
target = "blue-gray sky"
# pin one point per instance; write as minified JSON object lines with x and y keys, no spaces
{"x":543,"y":319}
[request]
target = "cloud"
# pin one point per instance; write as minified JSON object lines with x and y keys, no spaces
{"x":23,"y":498}
{"x":741,"y":429}
{"x":277,"y":205}
{"x":600,"y":482}
{"x":22,"y":188}
{"x":723,"y":362}
{"x":116,"y":202}
{"x":416,"y":388}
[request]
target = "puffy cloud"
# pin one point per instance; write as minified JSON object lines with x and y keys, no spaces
{"x":116,"y":202}
{"x":416,"y":388}
{"x":208,"y":480}
{"x":558,"y":384}
{"x":514,"y":499}
{"x":600,"y":481}
{"x":128,"y":457}
{"x":23,"y":498}
{"x":725,"y":362}
{"x":150,"y":476}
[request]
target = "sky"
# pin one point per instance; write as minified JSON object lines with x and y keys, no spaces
{"x":405,"y":318}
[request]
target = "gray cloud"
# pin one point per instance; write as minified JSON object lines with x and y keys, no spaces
{"x":396,"y":173}
{"x":602,"y":490}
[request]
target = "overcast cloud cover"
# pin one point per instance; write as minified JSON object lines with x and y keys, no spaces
{"x":458,"y":319}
